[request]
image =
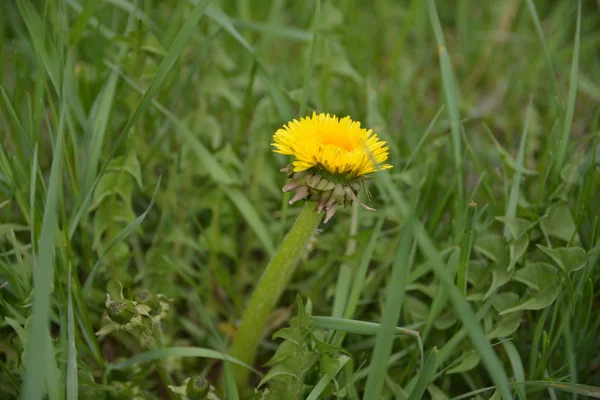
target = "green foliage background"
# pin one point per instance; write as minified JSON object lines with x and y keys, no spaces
{"x":135,"y":154}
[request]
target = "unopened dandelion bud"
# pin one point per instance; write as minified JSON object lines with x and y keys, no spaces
{"x":149,"y":299}
{"x":121,"y":311}
{"x":197,"y":388}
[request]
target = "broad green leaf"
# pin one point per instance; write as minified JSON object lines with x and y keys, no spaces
{"x":445,"y":320}
{"x":517,"y":226}
{"x":479,"y":273}
{"x":113,"y":183}
{"x":567,"y":258}
{"x":559,"y":223}
{"x":540,"y":300}
{"x":505,"y":300}
{"x":506,"y":326}
{"x":468,"y":363}
{"x":537,"y":275}
{"x":494,"y":247}
{"x":129,"y":164}
{"x":500,"y":275}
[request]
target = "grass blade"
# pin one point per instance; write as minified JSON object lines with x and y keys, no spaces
{"x":517,"y":365}
{"x":359,"y":278}
{"x":540,"y":33}
{"x":391,"y":313}
{"x":175,"y":352}
{"x":511,"y":208}
{"x":462,"y":308}
{"x":324,"y":381}
{"x":39,"y":335}
{"x":165,"y":66}
{"x":563,"y":144}
{"x":425,"y":376}
{"x":72,"y":384}
{"x":358,"y":327}
{"x":35,"y":26}
{"x":311,"y":60}
{"x":466,"y":244}
{"x":452,"y":101}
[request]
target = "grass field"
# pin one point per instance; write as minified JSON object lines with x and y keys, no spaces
{"x":140,"y":199}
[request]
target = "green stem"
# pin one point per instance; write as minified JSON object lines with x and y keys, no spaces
{"x":466,"y":244}
{"x":267,"y":292}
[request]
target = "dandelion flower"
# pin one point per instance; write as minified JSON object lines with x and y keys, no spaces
{"x":332,"y":157}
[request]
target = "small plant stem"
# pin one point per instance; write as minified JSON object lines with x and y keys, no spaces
{"x":267,"y":292}
{"x":466,"y":244}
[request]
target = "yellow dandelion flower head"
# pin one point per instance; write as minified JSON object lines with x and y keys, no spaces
{"x":339,"y":146}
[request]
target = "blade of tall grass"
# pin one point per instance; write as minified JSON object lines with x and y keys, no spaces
{"x":563,"y":144}
{"x":452,"y":102}
{"x":425,"y":376}
{"x":390,"y":315}
{"x":572,"y":362}
{"x":342,"y":286}
{"x":359,"y":327}
{"x":517,"y":365}
{"x":466,"y":244}
{"x":38,"y":356}
{"x":100,"y":116}
{"x":82,"y":20}
{"x":584,"y":390}
{"x":177,"y":352}
{"x":324,"y":381}
{"x":48,"y":55}
{"x":440,"y":301}
{"x":359,"y":278}
{"x":308,"y":70}
{"x":278,"y":31}
{"x":72,"y":383}
{"x":461,"y":306}
{"x":230,"y":386}
{"x":166,"y":64}
{"x":423,"y":138}
{"x":511,"y":208}
{"x":540,"y":33}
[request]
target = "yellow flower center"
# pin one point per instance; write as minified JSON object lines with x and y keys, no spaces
{"x":338,"y":146}
{"x":331,"y":139}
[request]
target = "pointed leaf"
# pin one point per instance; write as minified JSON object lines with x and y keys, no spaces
{"x":494,"y":247}
{"x":468,"y":363}
{"x":559,"y":223}
{"x":516,"y":226}
{"x":506,"y":326}
{"x":500,"y":275}
{"x":567,"y":258}
{"x":537,"y":275}
{"x":505,"y":300}
{"x":541,"y":300}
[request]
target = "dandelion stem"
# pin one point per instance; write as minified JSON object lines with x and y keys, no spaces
{"x":267,"y":292}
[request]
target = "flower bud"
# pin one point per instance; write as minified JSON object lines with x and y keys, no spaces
{"x":197,"y":388}
{"x":149,"y":299}
{"x":121,"y":311}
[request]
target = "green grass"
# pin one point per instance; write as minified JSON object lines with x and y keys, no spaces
{"x":135,"y":154}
